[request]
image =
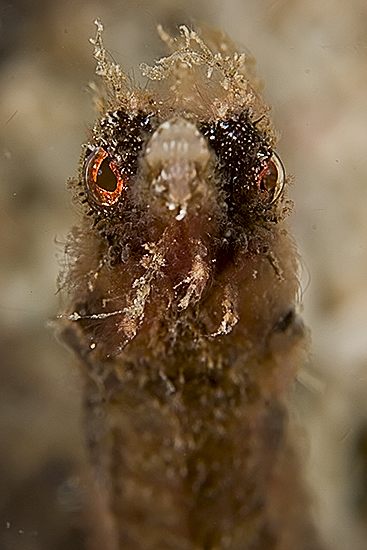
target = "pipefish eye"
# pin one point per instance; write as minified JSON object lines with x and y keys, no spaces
{"x":271,"y":178}
{"x":102,"y":179}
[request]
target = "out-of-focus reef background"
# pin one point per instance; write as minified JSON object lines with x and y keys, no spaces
{"x":313,"y":59}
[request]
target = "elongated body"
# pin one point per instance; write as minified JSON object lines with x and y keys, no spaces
{"x":181,"y":285}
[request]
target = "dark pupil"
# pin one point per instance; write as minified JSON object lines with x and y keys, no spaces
{"x":106,"y":179}
{"x":270,"y":178}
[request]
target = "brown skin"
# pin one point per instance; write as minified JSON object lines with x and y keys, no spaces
{"x":183,"y":316}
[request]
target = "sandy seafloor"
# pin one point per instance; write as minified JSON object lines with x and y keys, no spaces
{"x":313,"y":59}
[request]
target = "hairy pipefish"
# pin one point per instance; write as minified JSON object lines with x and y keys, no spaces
{"x":181,"y":305}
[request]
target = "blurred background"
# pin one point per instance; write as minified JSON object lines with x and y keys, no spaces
{"x":312,"y":57}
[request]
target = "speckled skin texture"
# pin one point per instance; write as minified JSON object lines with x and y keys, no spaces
{"x":182,"y":294}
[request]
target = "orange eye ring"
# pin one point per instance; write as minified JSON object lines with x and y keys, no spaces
{"x":104,"y":184}
{"x":272,"y":178}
